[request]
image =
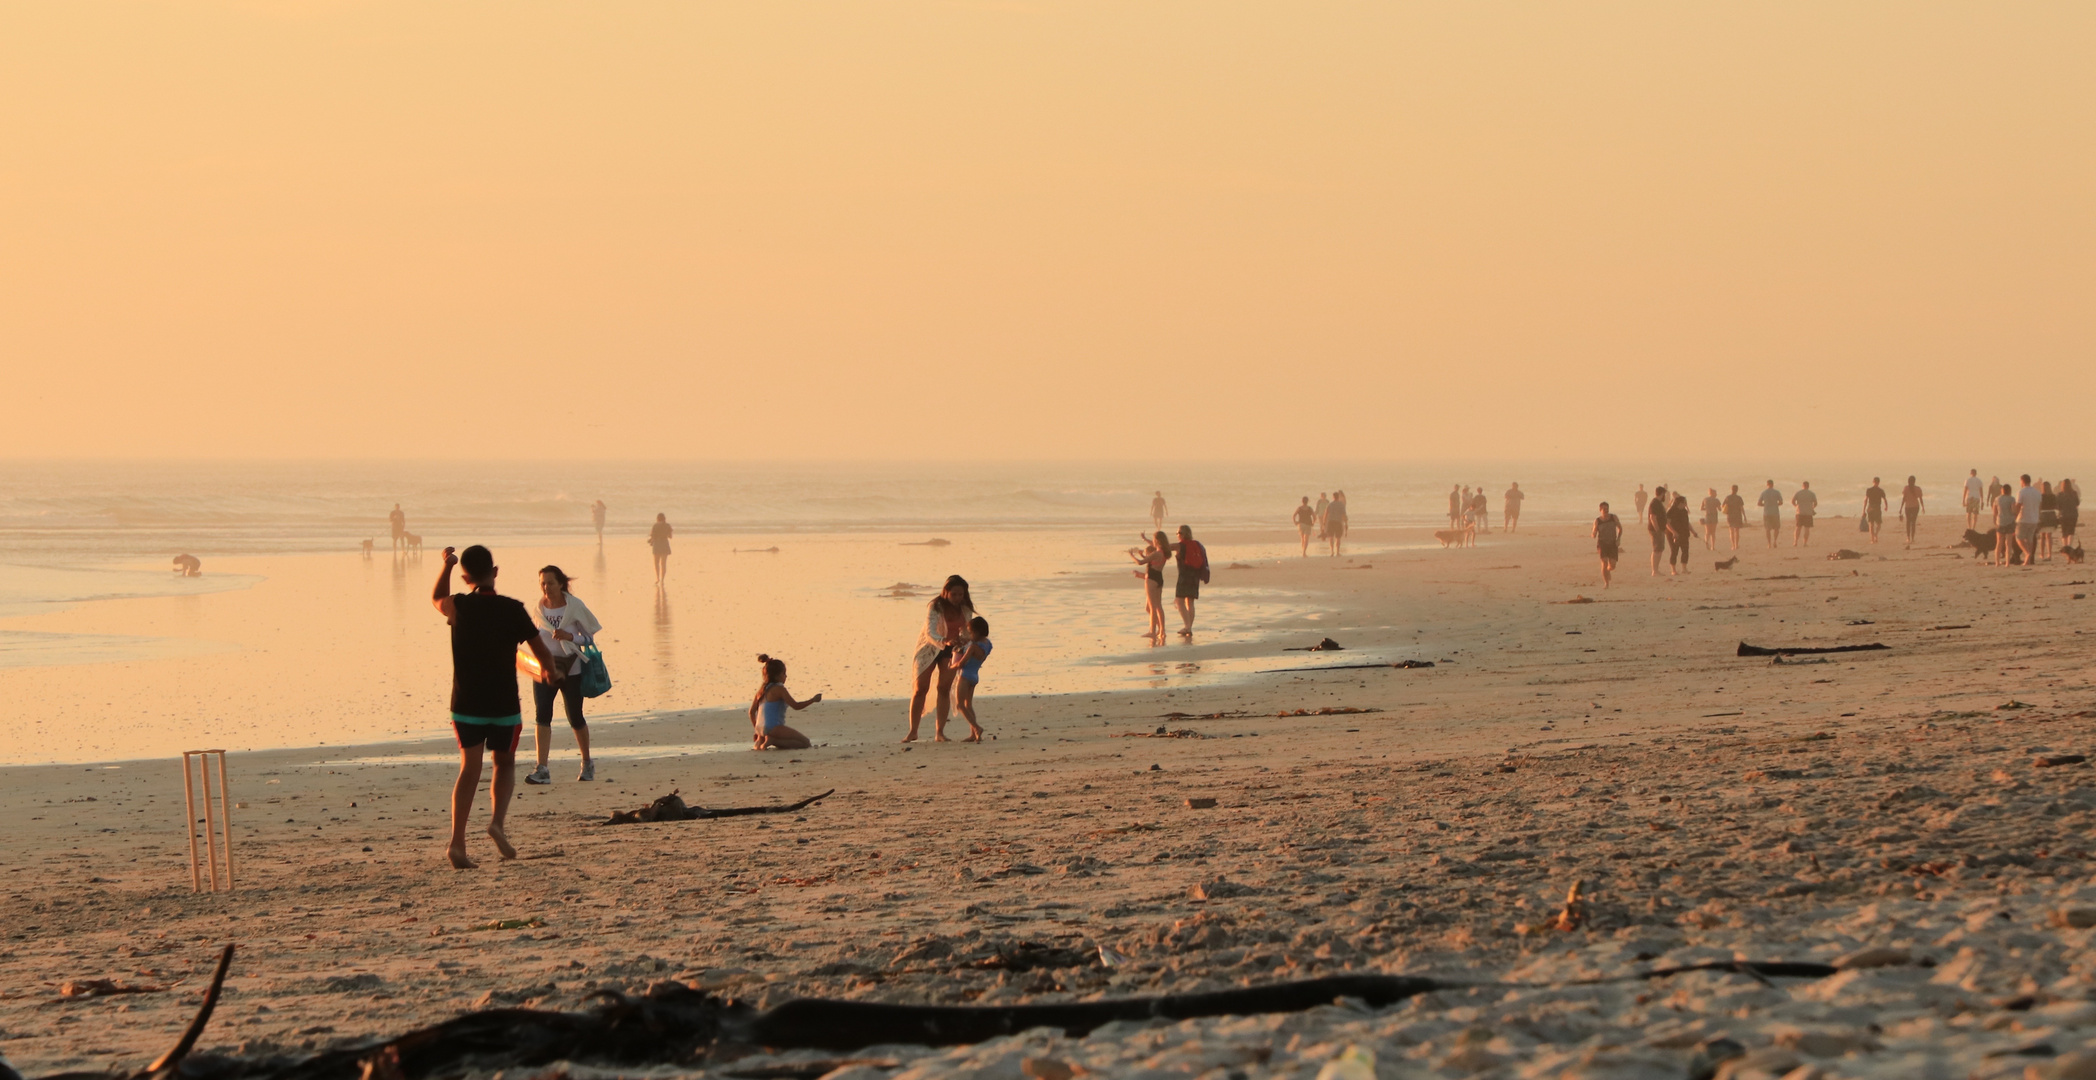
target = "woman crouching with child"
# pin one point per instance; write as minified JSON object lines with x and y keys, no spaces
{"x":771,"y":732}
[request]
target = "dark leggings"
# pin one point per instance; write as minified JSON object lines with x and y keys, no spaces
{"x":1677,"y":548}
{"x":570,"y":691}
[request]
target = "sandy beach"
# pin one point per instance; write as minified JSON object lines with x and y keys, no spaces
{"x":1713,"y":806}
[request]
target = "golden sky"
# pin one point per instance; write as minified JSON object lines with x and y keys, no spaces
{"x":925,"y":230}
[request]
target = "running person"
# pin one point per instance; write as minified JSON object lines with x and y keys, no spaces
{"x":1735,"y":514}
{"x":1305,"y":523}
{"x":1608,"y":540}
{"x":486,"y":713}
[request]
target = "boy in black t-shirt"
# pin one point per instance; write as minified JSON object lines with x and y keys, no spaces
{"x":485,"y":710}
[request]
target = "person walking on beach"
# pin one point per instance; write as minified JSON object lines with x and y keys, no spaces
{"x":1681,"y":535}
{"x":1305,"y":523}
{"x":1771,"y":502}
{"x":1157,"y":511}
{"x":486,"y":713}
{"x":945,"y":628}
{"x":1335,"y":522}
{"x":1656,"y":525}
{"x":1324,"y":503}
{"x":1608,"y":539}
{"x":1874,"y":507}
{"x":969,"y":662}
{"x":2070,"y":511}
{"x":2005,"y":513}
{"x":1512,"y":500}
{"x":1735,"y":514}
{"x":1807,"y":502}
{"x":772,"y":700}
{"x":2030,"y":503}
{"x":1975,"y":490}
{"x":1639,"y":502}
{"x":399,"y":522}
{"x":1712,"y":506}
{"x":1910,"y":508}
{"x":2048,"y":518}
{"x":597,"y":519}
{"x":565,"y":625}
{"x":1193,"y":571}
{"x":659,"y":542}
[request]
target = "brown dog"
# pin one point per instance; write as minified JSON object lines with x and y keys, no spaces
{"x":1727,"y":564}
{"x":1449,"y":536}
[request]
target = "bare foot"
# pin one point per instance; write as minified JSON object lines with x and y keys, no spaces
{"x":974,"y":735}
{"x":501,"y":839}
{"x":940,"y":737}
{"x":911,"y":737}
{"x":459,"y":861}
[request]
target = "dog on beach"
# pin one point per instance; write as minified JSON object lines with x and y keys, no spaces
{"x":1982,"y":543}
{"x":367,"y":549}
{"x":1727,"y":564}
{"x":1449,"y":536}
{"x":414,"y":542}
{"x":2073,"y":554}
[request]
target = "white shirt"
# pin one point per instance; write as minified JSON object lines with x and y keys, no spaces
{"x":1975,"y":488}
{"x":2028,"y":500}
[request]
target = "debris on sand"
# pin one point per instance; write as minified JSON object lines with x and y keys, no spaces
{"x":1326,"y":645}
{"x":671,"y":807}
{"x":1580,"y":599}
{"x":1797,"y":650}
{"x":1160,"y":733}
{"x":91,"y":988}
{"x":1844,"y":553}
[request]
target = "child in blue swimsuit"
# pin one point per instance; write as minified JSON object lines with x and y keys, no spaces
{"x":970,"y":662}
{"x":771,"y":733}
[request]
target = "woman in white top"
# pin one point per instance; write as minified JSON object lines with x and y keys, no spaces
{"x":565,"y":625}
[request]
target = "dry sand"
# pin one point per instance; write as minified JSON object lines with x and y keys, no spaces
{"x":1716,"y":807}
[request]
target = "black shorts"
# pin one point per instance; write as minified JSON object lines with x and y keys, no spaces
{"x":496,"y":737}
{"x":1608,"y":551}
{"x":1188,"y":587}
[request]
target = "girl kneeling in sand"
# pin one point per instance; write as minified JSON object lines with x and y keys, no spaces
{"x":771,"y":733}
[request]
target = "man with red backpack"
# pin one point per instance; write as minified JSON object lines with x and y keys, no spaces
{"x":1193,"y":573}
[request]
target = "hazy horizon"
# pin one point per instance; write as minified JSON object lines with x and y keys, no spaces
{"x":950,"y":231}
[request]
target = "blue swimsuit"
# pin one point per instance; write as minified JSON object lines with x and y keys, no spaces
{"x":971,"y":669}
{"x":774,"y":712}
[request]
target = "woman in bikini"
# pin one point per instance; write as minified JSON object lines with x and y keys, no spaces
{"x":945,"y":627}
{"x":1150,"y":562}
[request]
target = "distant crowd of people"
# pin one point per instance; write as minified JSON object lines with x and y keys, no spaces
{"x":1328,"y":520}
{"x":1470,"y":512}
{"x":2024,"y":519}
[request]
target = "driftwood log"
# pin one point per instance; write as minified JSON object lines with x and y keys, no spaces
{"x":674,"y":1024}
{"x":671,"y":807}
{"x":1756,"y":650}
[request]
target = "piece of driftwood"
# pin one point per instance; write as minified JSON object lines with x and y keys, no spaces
{"x":674,"y":1024}
{"x":1325,"y":645}
{"x":1756,"y":650}
{"x":1347,"y":667}
{"x":671,"y":807}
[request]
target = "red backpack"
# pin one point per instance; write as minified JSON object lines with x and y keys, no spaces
{"x":1197,"y":559}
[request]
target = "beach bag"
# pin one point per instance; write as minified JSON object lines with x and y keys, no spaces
{"x":1863,"y":522}
{"x":596,"y":680}
{"x":1197,"y":559}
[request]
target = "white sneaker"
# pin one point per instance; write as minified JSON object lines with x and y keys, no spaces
{"x":589,"y":771}
{"x":539,"y":776}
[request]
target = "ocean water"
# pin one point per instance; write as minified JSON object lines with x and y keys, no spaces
{"x":293,"y":637}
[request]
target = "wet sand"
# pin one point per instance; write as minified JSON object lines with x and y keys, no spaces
{"x":1713,"y":805}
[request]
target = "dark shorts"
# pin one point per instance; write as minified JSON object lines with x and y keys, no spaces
{"x":1188,"y":586}
{"x":496,"y":737}
{"x":1804,"y":521}
{"x":1608,"y":551}
{"x":570,"y":694}
{"x":1877,"y":517}
{"x":1659,"y":540}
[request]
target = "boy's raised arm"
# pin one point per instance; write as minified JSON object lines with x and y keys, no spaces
{"x":441,"y":594}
